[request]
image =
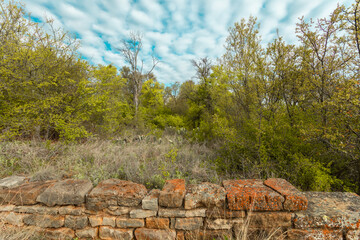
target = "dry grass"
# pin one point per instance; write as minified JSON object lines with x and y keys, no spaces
{"x":146,"y":160}
{"x":17,"y":233}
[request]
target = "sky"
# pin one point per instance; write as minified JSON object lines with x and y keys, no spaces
{"x":175,"y":31}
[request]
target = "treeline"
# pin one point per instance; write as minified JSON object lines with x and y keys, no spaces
{"x":275,"y":110}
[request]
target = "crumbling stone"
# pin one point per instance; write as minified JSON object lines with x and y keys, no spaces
{"x":252,"y":195}
{"x":154,"y":234}
{"x":294,"y":199}
{"x":76,"y":222}
{"x":157,"y":223}
{"x":173,"y":193}
{"x":91,"y":233}
{"x":141,"y":213}
{"x":44,"y":221}
{"x":65,"y":192}
{"x":129,"y":223}
{"x":189,"y":223}
{"x":24,"y":194}
{"x":114,"y":192}
{"x":205,"y":195}
{"x":151,"y":201}
{"x":12,"y":181}
{"x":106,"y":232}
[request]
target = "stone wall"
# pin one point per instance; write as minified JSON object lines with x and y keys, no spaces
{"x":117,"y":209}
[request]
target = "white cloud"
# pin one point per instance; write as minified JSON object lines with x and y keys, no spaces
{"x":177,"y":30}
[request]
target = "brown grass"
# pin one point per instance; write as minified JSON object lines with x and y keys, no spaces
{"x":147,"y":160}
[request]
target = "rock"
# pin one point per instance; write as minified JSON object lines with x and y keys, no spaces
{"x":294,"y":199}
{"x":118,"y":211}
{"x":140,"y":213}
{"x":129,"y":223}
{"x":157,"y":223}
{"x":295,"y":234}
{"x":108,"y":221}
{"x":95,"y":221}
{"x":219,"y":224}
{"x":115,"y":192}
{"x":269,"y":219}
{"x":205,"y":195}
{"x":115,"y":233}
{"x":353,"y":235}
{"x":180,"y":235}
{"x":208,"y":234}
{"x":154,"y":234}
{"x":25,"y":194}
{"x":173,"y":193}
{"x":7,"y":208}
{"x":38,"y":209}
{"x":14,"y":219}
{"x":44,"y":221}
{"x":65,"y":192}
{"x":71,"y":210}
{"x":252,"y":195}
{"x":60,"y":233}
{"x":12,"y":181}
{"x":189,"y":223}
{"x":151,"y":201}
{"x":76,"y":222}
{"x":329,"y":210}
{"x":224,"y":213}
{"x":164,"y":212}
{"x":91,"y":233}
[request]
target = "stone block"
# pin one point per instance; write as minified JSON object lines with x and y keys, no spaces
{"x":329,"y":210}
{"x":65,"y":192}
{"x":7,"y":208}
{"x":14,"y":219}
{"x":38,"y":209}
{"x":219,"y":224}
{"x":165,"y":212}
{"x":352,"y":235}
{"x":224,"y":213}
{"x":189,"y":223}
{"x":76,"y":222}
{"x":207,"y":195}
{"x":106,"y":232}
{"x":91,"y":233}
{"x":24,"y":194}
{"x":157,"y":223}
{"x":180,"y":235}
{"x":95,"y":221}
{"x":71,"y":210}
{"x":44,"y":221}
{"x":294,"y":199}
{"x":60,"y":233}
{"x":252,"y":195}
{"x":129,"y":223}
{"x":12,"y":181}
{"x":269,"y":219}
{"x":118,"y":211}
{"x":108,"y":221}
{"x":314,"y":234}
{"x":141,"y":213}
{"x":154,"y":234}
{"x":173,"y":193}
{"x":151,"y":201}
{"x":114,"y":192}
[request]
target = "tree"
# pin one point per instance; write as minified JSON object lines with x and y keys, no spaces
{"x":130,"y":50}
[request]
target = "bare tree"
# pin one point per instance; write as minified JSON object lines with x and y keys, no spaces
{"x":203,"y":68}
{"x":130,"y":50}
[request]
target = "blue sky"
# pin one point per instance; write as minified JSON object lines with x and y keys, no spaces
{"x":177,"y":30}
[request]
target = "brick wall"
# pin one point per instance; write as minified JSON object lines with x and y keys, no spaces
{"x":117,"y":209}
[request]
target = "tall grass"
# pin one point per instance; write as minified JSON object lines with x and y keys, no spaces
{"x":147,"y":160}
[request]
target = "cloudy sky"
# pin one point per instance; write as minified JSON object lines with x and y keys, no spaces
{"x":176,"y":30}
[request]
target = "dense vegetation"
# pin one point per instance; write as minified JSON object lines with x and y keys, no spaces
{"x":275,"y":110}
